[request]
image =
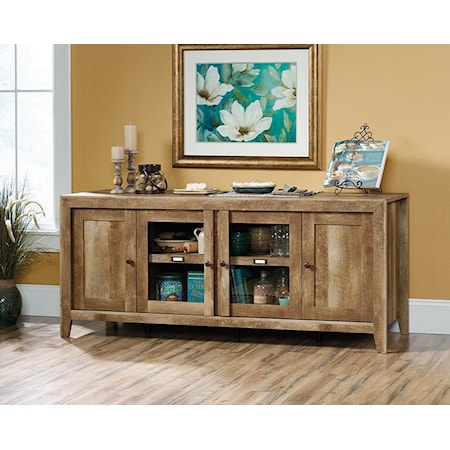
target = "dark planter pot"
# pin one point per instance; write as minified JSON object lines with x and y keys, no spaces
{"x":10,"y":303}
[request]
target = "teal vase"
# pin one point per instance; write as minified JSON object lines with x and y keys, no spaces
{"x":10,"y":303}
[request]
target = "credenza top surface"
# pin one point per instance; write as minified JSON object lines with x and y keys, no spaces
{"x":357,"y":202}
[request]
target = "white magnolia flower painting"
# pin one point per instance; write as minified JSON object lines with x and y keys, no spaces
{"x":247,"y":102}
{"x":243,"y":125}
{"x":210,"y":91}
{"x":246,"y":105}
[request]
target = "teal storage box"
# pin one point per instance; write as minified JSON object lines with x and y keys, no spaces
{"x":195,"y":286}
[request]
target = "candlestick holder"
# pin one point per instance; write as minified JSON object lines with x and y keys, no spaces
{"x":118,"y":179}
{"x":131,"y":177}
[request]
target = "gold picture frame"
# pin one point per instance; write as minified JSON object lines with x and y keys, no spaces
{"x":277,"y":86}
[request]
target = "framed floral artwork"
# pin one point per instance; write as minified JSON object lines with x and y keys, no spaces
{"x":249,"y":106}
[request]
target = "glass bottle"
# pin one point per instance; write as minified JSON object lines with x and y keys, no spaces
{"x":263,"y":290}
{"x":282,"y":289}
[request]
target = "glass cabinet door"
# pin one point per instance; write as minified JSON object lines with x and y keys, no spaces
{"x":174,"y":262}
{"x":258,"y":258}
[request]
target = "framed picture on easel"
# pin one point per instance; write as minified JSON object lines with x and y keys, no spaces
{"x":357,"y":164}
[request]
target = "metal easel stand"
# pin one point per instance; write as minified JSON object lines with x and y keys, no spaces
{"x":363,"y":135}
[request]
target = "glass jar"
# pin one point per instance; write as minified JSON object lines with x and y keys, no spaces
{"x":170,"y":287}
{"x":279,"y":240}
{"x":282,"y":289}
{"x":150,"y":179}
{"x":259,"y":240}
{"x":263,"y":290}
{"x":239,"y":243}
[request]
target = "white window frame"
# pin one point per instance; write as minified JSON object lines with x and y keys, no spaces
{"x":62,"y":168}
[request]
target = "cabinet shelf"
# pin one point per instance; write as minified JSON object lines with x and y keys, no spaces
{"x":260,"y":261}
{"x":171,"y":258}
{"x":266,"y":311}
{"x":157,"y":306}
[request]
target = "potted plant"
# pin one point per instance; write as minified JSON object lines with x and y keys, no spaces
{"x":18,"y":216}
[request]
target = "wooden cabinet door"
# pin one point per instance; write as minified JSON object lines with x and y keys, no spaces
{"x":337,"y":258}
{"x":104,"y":255}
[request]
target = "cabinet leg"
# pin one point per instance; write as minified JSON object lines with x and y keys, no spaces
{"x":403,"y":320}
{"x":65,"y":327}
{"x":403,"y":325}
{"x":148,"y":330}
{"x":237,"y":335}
{"x":380,"y":342}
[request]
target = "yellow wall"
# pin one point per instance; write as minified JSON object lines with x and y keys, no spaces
{"x":44,"y":271}
{"x":401,"y":91}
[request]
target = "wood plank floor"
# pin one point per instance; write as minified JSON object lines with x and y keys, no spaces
{"x":122,"y":364}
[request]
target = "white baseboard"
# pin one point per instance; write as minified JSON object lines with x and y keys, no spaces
{"x":39,"y":300}
{"x":429,"y":316}
{"x":425,"y":316}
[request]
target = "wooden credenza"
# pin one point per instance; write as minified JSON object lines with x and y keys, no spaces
{"x":348,"y":265}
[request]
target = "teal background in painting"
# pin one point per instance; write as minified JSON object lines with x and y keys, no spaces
{"x":246,"y":89}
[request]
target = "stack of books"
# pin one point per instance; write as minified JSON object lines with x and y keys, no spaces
{"x":242,"y":283}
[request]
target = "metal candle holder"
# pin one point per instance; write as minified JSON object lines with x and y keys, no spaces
{"x":131,"y":177}
{"x":118,"y":179}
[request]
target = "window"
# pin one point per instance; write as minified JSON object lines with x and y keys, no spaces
{"x":35,"y":125}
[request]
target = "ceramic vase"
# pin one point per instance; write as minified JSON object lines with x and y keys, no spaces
{"x":10,"y":303}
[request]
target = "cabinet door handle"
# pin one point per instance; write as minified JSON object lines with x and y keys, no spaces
{"x":130,"y":261}
{"x":208,"y":264}
{"x":307,"y":265}
{"x":223,"y":263}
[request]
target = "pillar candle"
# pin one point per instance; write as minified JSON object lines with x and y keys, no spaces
{"x":130,"y":132}
{"x":117,"y":154}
